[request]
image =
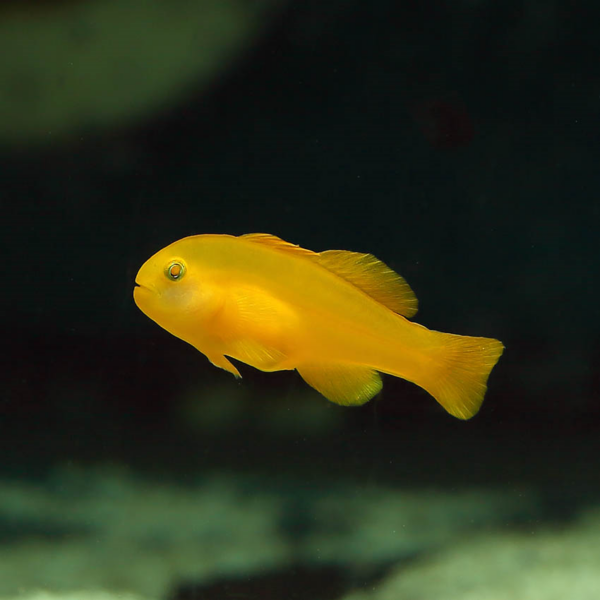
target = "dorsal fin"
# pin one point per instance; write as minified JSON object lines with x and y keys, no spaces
{"x":276,"y":242}
{"x":373,"y":277}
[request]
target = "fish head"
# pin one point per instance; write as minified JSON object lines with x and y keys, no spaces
{"x":173,"y":290}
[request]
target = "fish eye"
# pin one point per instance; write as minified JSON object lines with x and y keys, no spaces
{"x":175,"y":270}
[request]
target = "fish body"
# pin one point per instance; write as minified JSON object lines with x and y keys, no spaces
{"x":340,"y":318}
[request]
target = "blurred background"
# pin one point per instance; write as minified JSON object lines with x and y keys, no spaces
{"x":457,"y":141}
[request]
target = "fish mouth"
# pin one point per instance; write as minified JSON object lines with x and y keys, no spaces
{"x":139,"y":293}
{"x":140,"y":286}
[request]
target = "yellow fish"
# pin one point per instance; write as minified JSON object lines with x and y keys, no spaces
{"x":339,"y":318}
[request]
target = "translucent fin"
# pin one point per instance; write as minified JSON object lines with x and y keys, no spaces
{"x":275,"y":242}
{"x":460,"y":367}
{"x":343,"y":384}
{"x":252,"y":306}
{"x":364,"y":271}
{"x":254,"y":323}
{"x":255,"y":354}
{"x":373,"y":277}
{"x":223,"y":363}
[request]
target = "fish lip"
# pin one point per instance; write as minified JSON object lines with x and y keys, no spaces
{"x":141,"y":286}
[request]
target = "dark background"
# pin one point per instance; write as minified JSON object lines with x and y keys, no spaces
{"x":457,"y":141}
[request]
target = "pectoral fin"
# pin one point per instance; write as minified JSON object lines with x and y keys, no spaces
{"x":256,"y":354}
{"x":343,"y":384}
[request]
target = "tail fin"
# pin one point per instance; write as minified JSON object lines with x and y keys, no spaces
{"x":458,"y":381}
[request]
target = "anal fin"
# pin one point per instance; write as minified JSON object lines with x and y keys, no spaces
{"x":349,"y":385}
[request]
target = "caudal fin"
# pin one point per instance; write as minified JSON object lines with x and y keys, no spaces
{"x":460,"y":367}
